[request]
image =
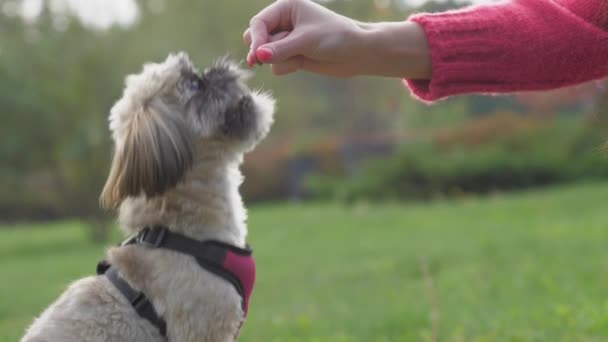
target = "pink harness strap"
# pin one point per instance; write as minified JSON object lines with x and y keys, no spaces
{"x":243,"y":268}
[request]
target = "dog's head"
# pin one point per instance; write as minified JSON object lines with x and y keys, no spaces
{"x":168,"y":110}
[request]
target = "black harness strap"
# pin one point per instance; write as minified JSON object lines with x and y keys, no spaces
{"x":138,"y":300}
{"x":210,"y":255}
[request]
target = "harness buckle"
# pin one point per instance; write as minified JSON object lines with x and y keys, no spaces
{"x":130,"y":240}
{"x":157,"y":234}
{"x":139,"y":301}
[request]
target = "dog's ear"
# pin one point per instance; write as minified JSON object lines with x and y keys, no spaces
{"x":153,"y":155}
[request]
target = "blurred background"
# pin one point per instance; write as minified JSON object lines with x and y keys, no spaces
{"x":374,"y":217}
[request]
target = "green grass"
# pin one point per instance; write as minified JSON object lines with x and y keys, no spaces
{"x":523,"y":267}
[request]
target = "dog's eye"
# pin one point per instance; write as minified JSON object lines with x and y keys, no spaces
{"x":195,"y":84}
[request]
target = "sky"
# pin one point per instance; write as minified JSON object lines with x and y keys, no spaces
{"x":99,"y":14}
{"x":102,"y":14}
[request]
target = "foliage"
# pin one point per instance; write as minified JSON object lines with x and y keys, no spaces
{"x":502,"y":152}
{"x":522,"y":267}
{"x":58,"y":80}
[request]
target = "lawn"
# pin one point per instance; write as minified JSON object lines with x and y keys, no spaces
{"x":531,"y":266}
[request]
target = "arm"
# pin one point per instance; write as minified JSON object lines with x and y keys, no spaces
{"x":393,"y":50}
{"x":514,"y":46}
{"x":293,"y":35}
{"x":510,"y":46}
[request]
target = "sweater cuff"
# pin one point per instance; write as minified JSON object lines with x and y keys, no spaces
{"x":510,"y":46}
{"x":460,"y":44}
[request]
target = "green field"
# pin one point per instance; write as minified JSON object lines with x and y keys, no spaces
{"x":523,"y":267}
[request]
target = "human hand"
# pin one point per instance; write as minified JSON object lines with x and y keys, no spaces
{"x":300,"y":34}
{"x":296,"y":35}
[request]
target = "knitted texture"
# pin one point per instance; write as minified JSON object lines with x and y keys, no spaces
{"x":514,"y":46}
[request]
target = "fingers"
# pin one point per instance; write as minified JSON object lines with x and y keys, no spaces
{"x":273,"y":38}
{"x":247,"y":37}
{"x":259,"y":28}
{"x":259,"y":34}
{"x":278,"y":36}
{"x":282,"y":47}
{"x":276,"y":16}
{"x":268,"y":53}
{"x":251,"y":59}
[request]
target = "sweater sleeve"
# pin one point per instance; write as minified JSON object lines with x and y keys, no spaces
{"x":514,"y":46}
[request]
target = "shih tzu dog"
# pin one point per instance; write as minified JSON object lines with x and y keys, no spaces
{"x":186,"y":273}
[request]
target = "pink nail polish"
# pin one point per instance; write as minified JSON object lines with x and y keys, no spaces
{"x":264,"y":54}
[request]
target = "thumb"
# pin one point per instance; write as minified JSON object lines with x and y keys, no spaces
{"x":279,"y":50}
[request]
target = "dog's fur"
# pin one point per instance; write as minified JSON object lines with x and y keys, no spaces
{"x":177,"y":152}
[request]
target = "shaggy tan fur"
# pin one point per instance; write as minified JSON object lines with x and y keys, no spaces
{"x":179,"y":139}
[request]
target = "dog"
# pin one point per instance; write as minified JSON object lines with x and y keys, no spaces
{"x":179,"y":136}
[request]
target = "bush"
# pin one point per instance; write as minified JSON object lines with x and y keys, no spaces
{"x":471,"y":160}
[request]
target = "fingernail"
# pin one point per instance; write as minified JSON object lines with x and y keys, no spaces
{"x":264,"y":54}
{"x":250,"y":59}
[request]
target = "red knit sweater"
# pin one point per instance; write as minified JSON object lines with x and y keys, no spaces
{"x":514,"y":46}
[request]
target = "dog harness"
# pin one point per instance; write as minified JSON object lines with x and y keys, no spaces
{"x":233,"y":264}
